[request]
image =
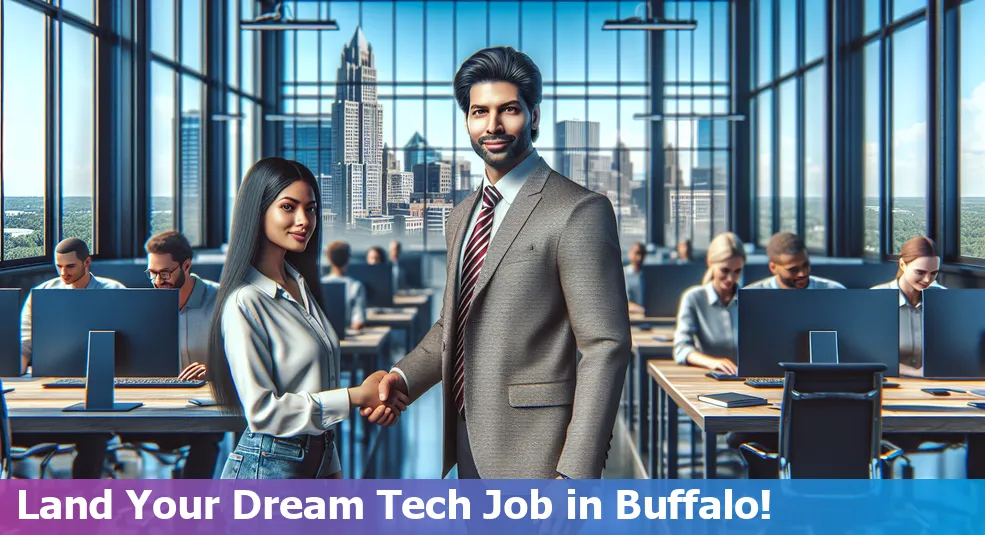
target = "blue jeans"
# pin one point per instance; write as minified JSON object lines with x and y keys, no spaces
{"x":261,"y":456}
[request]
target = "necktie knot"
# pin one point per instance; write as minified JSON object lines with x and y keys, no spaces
{"x":490,"y":197}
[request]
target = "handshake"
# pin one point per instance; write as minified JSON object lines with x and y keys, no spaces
{"x":382,"y":397}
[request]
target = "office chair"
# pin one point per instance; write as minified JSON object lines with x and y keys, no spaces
{"x":830,"y":423}
{"x":164,"y":457}
{"x":10,"y":453}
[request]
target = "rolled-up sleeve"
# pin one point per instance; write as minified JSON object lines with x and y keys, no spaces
{"x":686,"y":331}
{"x":267,"y":410}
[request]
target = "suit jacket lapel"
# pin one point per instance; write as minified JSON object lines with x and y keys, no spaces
{"x":524,"y":204}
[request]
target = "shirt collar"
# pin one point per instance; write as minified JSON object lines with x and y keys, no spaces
{"x":268,"y":286}
{"x":509,"y":186}
{"x":713,"y":296}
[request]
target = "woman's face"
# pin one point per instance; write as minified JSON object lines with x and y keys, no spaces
{"x":290,"y":221}
{"x":725,"y":275}
{"x":921,"y":272}
{"x":373,"y":257}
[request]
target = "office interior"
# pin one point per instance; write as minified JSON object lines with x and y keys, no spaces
{"x":855,"y":124}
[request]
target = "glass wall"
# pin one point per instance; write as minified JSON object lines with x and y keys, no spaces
{"x":972,"y":134}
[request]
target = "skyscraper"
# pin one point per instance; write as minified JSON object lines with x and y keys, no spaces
{"x":574,"y":141}
{"x":357,"y":135}
{"x":191,"y":179}
{"x":417,"y":151}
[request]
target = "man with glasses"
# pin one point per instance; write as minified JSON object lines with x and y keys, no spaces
{"x":72,"y":260}
{"x":169,"y":267}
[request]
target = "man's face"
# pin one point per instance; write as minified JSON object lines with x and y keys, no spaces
{"x":70,"y":268}
{"x":164,"y":266}
{"x":793,"y":270}
{"x":394,"y":251}
{"x":636,"y":255}
{"x":499,"y":123}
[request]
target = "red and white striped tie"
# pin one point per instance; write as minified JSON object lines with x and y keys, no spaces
{"x":475,"y":254}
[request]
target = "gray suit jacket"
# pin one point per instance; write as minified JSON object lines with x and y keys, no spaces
{"x":551,"y":285}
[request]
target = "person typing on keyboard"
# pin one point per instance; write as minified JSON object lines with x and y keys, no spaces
{"x":706,"y":319}
{"x":169,"y":267}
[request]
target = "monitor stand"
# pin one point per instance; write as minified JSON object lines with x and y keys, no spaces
{"x":100,"y":375}
{"x":824,"y":347}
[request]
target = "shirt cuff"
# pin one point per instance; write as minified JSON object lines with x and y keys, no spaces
{"x":402,"y":376}
{"x":334,"y":406}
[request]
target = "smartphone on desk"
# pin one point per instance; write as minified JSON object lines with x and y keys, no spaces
{"x":942,"y":391}
{"x":202,"y":402}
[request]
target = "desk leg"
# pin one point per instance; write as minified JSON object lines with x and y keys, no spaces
{"x":656,"y":431}
{"x":672,"y":438}
{"x":693,"y":435}
{"x":644,"y":409}
{"x":711,"y":455}
{"x":630,"y":393}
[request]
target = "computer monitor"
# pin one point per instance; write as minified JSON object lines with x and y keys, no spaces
{"x":412,"y":270}
{"x":10,"y":332}
{"x":129,"y":272}
{"x":663,"y":285}
{"x":336,"y":305}
{"x":377,"y":279}
{"x":858,"y":276}
{"x":775,"y":326}
{"x":953,"y":333}
{"x":145,"y":321}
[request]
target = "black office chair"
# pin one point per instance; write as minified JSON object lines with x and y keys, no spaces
{"x":830,"y":423}
{"x":175,"y":459}
{"x":10,"y":453}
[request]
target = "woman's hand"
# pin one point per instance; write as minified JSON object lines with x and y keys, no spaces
{"x":367,"y":395}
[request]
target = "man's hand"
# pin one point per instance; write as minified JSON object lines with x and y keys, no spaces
{"x":193,"y":372}
{"x":368,"y":396}
{"x":391,"y":392}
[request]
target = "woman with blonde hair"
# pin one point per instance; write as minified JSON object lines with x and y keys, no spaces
{"x":706,"y":320}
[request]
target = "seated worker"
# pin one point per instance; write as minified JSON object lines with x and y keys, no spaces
{"x":72,"y":259}
{"x":375,"y":255}
{"x":706,"y":321}
{"x":791,"y":267}
{"x":683,"y":254}
{"x":634,"y":278}
{"x":338,"y":254}
{"x":169,"y":266}
{"x":399,"y":277}
{"x":919,"y":265}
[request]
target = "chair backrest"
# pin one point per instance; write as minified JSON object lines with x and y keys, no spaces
{"x":831,"y":421}
{"x":4,"y":436}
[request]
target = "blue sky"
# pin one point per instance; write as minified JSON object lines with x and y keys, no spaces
{"x":528,"y":26}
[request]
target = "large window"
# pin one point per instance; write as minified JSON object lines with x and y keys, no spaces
{"x":33,"y":72}
{"x":697,"y":124}
{"x":910,"y":140}
{"x":972,"y":137}
{"x":789,"y":97}
{"x":387,"y":140}
{"x":872,"y":148}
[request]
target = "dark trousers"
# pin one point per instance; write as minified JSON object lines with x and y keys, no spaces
{"x":90,"y":449}
{"x":202,"y":455}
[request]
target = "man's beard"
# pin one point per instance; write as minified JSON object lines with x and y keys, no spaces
{"x":175,"y":282}
{"x":515,"y":148}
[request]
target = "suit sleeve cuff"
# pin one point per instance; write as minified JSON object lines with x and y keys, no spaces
{"x":562,"y":476}
{"x":400,"y":372}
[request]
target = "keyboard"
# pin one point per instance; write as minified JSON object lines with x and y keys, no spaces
{"x":764,"y":382}
{"x":129,"y":382}
{"x":720,"y":376}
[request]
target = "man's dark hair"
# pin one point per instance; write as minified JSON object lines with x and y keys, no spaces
{"x":73,"y":245}
{"x":500,"y":64}
{"x":339,"y":254}
{"x":170,"y":242}
{"x":784,"y":243}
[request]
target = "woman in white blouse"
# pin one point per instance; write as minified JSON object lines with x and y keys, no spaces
{"x":918,"y":269}
{"x":274,"y":358}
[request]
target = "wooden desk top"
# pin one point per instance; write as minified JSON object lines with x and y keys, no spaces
{"x":904,"y":409}
{"x":368,"y":340}
{"x":390,"y":316}
{"x":33,"y":408}
{"x":417,"y":299}
{"x":654,"y":343}
{"x":637,"y":319}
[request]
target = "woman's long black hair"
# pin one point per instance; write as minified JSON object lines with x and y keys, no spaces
{"x":259,"y":189}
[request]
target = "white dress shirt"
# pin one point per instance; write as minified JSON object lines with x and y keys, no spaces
{"x":634,"y":284}
{"x":910,"y":327}
{"x":705,"y":325}
{"x":195,"y":322}
{"x":284,"y":358}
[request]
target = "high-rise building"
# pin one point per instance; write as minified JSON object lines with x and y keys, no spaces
{"x":191,"y":176}
{"x":461,"y":173}
{"x":575,"y":141}
{"x":672,"y":170}
{"x":310,"y":143}
{"x":400,"y":185}
{"x":417,"y":151}
{"x":433,"y":179}
{"x":357,"y":135}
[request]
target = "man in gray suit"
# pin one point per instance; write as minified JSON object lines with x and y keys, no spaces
{"x":534,"y":278}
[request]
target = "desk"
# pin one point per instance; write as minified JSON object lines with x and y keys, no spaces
{"x":639,"y":319}
{"x":654,"y":343}
{"x":421,"y":300}
{"x":905,"y":410}
{"x":396,"y":318}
